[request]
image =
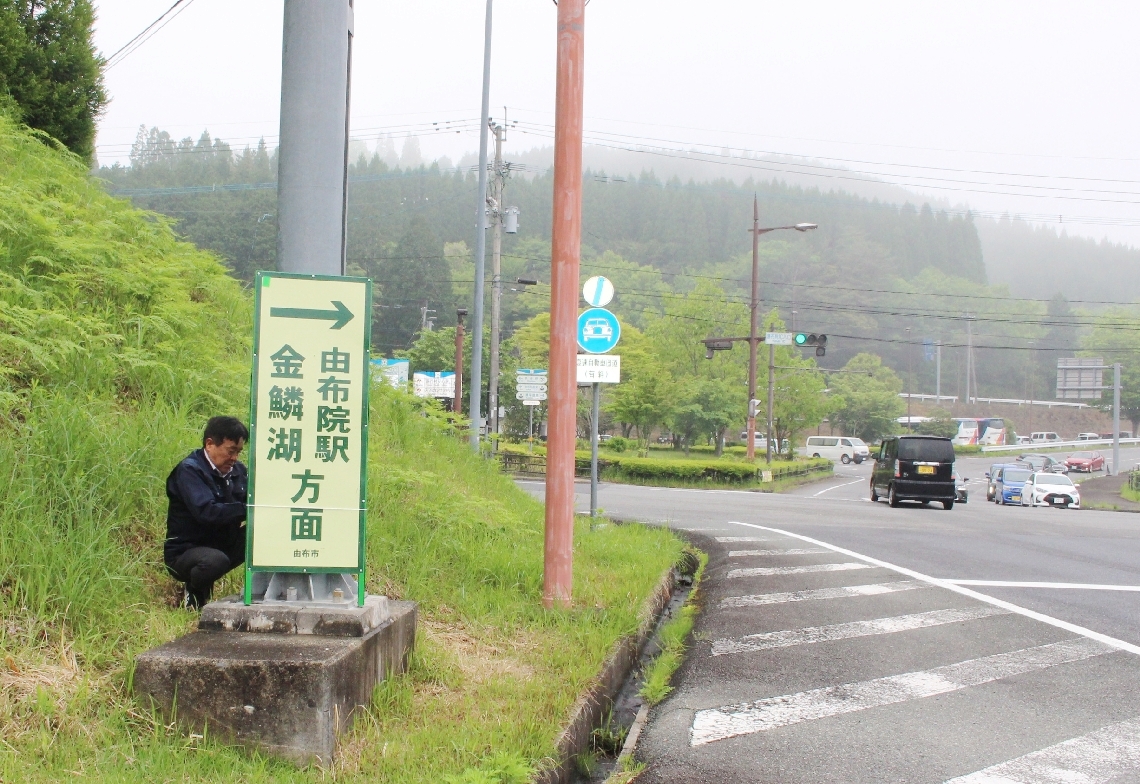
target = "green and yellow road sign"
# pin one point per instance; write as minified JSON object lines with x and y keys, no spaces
{"x":309,"y":425}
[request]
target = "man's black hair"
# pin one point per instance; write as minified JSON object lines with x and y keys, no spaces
{"x":225,"y":428}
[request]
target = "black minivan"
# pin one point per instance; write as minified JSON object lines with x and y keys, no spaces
{"x":914,"y":468}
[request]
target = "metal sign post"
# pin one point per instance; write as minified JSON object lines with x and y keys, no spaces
{"x":598,"y":332}
{"x":595,"y":371}
{"x":309,"y":437}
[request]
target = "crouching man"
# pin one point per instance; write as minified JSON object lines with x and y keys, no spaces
{"x":205,"y":532}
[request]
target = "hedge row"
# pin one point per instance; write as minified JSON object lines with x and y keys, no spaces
{"x":722,"y":471}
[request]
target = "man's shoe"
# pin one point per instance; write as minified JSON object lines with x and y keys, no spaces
{"x":189,"y":599}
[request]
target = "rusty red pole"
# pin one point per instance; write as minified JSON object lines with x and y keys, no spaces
{"x":566,"y":238}
{"x":457,"y":403}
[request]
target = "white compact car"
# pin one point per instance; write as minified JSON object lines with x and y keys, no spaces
{"x":1046,"y":489}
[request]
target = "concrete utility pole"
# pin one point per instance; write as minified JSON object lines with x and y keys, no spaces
{"x":457,"y":401}
{"x":480,"y":242}
{"x":1116,"y":419}
{"x":566,"y":241}
{"x":969,"y":355}
{"x":312,"y":177}
{"x":496,"y":206}
{"x":938,"y":373}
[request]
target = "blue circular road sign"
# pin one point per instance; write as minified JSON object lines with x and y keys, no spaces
{"x":598,"y":331}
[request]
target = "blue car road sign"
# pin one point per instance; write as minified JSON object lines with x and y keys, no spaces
{"x":598,"y":331}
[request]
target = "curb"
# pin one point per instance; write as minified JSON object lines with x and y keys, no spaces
{"x":592,"y":704}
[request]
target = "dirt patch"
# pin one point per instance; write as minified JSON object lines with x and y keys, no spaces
{"x":478,"y":659}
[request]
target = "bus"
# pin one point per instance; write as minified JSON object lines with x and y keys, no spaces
{"x":982,"y":431}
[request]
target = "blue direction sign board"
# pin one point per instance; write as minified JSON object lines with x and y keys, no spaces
{"x":598,"y":331}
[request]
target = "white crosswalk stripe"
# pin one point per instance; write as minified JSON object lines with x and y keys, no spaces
{"x":732,"y":539}
{"x":874,"y":589}
{"x":846,"y":631}
{"x":730,"y":721}
{"x":747,"y":553}
{"x":765,"y":571}
{"x":1097,"y":757}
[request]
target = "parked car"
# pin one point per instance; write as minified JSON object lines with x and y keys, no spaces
{"x":1043,"y":489}
{"x":1085,"y":461}
{"x":1011,"y":484}
{"x":1042,"y":463}
{"x":1089,"y":436}
{"x":914,"y":468}
{"x":1123,"y":434}
{"x":1024,"y":440}
{"x":761,"y":442}
{"x":1045,"y":438}
{"x":961,"y":494}
{"x":993,"y":475}
{"x":845,"y":449}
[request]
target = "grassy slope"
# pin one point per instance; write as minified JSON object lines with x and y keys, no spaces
{"x":116,"y":342}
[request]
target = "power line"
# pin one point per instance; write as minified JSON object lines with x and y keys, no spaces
{"x":149,"y":31}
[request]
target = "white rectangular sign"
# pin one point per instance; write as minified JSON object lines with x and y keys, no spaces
{"x":779,"y":338}
{"x":599,"y":368}
{"x":394,"y":371}
{"x":531,"y":403}
{"x":530,"y":396}
{"x":530,"y":379}
{"x":434,"y":384}
{"x":531,"y":387}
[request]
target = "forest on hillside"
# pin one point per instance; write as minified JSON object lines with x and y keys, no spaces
{"x":875,"y":277}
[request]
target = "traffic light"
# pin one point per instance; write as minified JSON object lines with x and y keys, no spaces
{"x":810,"y":339}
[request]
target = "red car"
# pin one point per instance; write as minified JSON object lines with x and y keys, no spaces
{"x":1085,"y":461}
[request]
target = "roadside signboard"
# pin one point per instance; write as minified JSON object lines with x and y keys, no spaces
{"x":530,"y":395}
{"x":602,"y":369}
{"x":530,"y":388}
{"x":532,"y":375}
{"x":779,"y":338}
{"x":598,"y":331}
{"x":532,"y":402}
{"x":394,"y":371}
{"x":598,"y":291}
{"x":431,"y":383}
{"x":309,"y":425}
{"x":1080,"y":378}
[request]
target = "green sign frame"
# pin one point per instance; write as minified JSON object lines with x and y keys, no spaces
{"x":301,"y":319}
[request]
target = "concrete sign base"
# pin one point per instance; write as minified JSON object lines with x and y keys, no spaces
{"x":289,"y":694}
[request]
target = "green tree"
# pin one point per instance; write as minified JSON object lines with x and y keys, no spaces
{"x":1116,"y":337}
{"x":412,"y":276}
{"x":867,"y":403}
{"x":50,"y":74}
{"x":941,"y":423}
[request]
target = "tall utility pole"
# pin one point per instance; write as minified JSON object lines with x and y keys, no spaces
{"x":909,"y":379}
{"x":457,"y":401}
{"x":316,"y":56}
{"x":496,"y":207}
{"x":566,"y":242}
{"x":938,"y":373}
{"x":753,"y":337}
{"x":480,"y":242}
{"x":969,"y":356}
{"x":1116,"y":419}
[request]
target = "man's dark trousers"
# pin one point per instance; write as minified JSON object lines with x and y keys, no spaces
{"x":199,"y":567}
{"x":204,"y":533}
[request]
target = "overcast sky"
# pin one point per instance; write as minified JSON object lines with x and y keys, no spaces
{"x":1021,"y":107}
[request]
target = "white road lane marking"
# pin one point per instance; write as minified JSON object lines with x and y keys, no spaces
{"x":833,"y":487}
{"x":755,"y":600}
{"x":763,"y":571}
{"x":732,"y":539}
{"x":810,"y":635}
{"x":747,"y":553}
{"x":1016,"y":584}
{"x":732,"y":720}
{"x":1025,"y":611}
{"x":1097,"y":757}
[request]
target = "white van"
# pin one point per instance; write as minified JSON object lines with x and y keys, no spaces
{"x":1045,"y":438}
{"x":842,"y":448}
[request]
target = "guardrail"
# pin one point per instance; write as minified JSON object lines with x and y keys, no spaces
{"x":1074,"y":445}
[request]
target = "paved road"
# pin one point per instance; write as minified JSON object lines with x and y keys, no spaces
{"x":842,"y":640}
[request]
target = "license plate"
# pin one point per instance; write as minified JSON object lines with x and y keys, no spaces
{"x":926,"y":469}
{"x":1016,"y":498}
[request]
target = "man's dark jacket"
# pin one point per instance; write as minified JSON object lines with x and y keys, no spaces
{"x":206,"y":509}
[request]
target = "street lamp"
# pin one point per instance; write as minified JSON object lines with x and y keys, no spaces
{"x":753,"y":336}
